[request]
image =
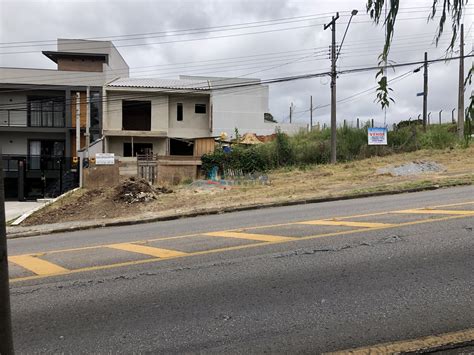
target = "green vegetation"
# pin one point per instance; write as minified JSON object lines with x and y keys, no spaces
{"x":308,"y":148}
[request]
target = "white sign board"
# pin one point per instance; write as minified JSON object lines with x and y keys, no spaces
{"x":377,"y":136}
{"x":104,"y":158}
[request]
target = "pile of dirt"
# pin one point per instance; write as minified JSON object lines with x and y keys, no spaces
{"x":138,"y":190}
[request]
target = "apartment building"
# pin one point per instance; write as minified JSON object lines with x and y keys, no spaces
{"x":37,"y":115}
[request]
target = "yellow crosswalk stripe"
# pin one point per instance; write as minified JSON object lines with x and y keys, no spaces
{"x":347,"y":224}
{"x":37,"y":265}
{"x":250,"y":236}
{"x":146,"y":250}
{"x":420,"y":345}
{"x":429,"y":211}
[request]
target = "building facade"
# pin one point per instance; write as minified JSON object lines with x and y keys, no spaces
{"x":38,"y":115}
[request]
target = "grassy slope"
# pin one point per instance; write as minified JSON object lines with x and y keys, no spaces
{"x":286,"y":184}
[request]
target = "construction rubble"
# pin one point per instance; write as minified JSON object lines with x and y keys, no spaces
{"x":135,"y":190}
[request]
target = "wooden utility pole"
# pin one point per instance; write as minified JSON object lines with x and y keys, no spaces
{"x":332,"y":24}
{"x":78,"y":136}
{"x":461,"y":86}
{"x":6,"y":337}
{"x":88,"y":120}
{"x":291,"y":111}
{"x":425,"y":91}
{"x":311,"y":113}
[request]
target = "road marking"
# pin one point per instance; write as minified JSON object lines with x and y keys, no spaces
{"x":455,"y":204}
{"x":431,"y":211}
{"x":324,"y":222}
{"x":428,"y":343}
{"x":36,"y":265}
{"x":246,"y":246}
{"x":152,"y":251}
{"x":250,"y":236}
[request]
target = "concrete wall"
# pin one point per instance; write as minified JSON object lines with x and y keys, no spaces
{"x":17,"y":142}
{"x":116,"y":67}
{"x":13,"y":101}
{"x":99,"y":176}
{"x":241,"y":108}
{"x":193,"y":124}
{"x":113,"y":110}
{"x":50,"y":77}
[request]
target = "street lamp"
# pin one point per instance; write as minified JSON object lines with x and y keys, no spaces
{"x":334,"y":57}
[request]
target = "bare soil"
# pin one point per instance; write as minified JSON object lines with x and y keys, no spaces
{"x":342,"y":179}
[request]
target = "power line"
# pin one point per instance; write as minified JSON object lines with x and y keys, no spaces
{"x":213,"y":37}
{"x":293,"y":78}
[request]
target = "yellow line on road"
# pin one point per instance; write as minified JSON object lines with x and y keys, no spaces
{"x":36,"y":265}
{"x":250,"y":236}
{"x":416,"y":345}
{"x":238,"y":247}
{"x":323,"y":222}
{"x":142,"y":249}
{"x":455,"y":204}
{"x":430,"y":211}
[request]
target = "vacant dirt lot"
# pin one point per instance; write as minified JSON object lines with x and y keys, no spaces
{"x":457,"y":166}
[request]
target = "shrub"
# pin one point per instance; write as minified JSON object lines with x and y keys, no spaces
{"x":438,"y":137}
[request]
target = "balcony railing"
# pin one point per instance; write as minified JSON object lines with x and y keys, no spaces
{"x":20,"y":118}
{"x":36,"y":162}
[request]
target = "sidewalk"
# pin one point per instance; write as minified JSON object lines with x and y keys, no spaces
{"x":14,"y":209}
{"x":29,"y":231}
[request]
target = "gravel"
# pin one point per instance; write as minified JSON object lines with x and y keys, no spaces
{"x":412,"y":168}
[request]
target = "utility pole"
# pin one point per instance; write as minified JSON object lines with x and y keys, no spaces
{"x":78,"y":135}
{"x":311,"y":113}
{"x":88,"y":119}
{"x":334,"y":57}
{"x":425,"y":90}
{"x":6,"y":337}
{"x":291,"y":111}
{"x":461,"y":87}
{"x":333,"y":86}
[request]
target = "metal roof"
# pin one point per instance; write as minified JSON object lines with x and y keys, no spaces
{"x":156,"y":83}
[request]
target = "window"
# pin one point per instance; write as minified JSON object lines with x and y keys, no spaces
{"x":136,"y":115}
{"x":46,"y":112}
{"x":179,"y":112}
{"x":200,"y":108}
{"x":181,"y":147}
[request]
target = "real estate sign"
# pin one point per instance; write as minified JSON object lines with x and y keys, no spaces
{"x":377,"y":136}
{"x":104,"y":158}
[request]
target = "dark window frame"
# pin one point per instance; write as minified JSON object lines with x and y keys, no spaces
{"x":57,"y":117}
{"x":134,"y":117}
{"x":179,"y":112}
{"x":200,"y":109}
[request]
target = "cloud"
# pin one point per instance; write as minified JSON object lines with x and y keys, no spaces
{"x":40,"y":20}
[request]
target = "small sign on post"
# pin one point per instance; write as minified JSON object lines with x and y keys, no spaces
{"x":377,"y":136}
{"x":104,"y":159}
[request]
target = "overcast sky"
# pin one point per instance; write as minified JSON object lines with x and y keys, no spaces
{"x":297,"y":45}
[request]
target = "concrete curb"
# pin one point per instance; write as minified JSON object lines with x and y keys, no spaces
{"x":214,"y":211}
{"x":25,"y":215}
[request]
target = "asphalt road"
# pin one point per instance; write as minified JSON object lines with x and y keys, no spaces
{"x":301,"y":279}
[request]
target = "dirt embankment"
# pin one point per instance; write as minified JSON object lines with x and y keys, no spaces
{"x":140,"y":199}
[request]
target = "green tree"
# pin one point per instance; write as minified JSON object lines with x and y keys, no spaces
{"x":387,"y":11}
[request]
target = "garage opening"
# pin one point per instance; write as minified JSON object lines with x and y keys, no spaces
{"x":136,"y":115}
{"x":181,"y":147}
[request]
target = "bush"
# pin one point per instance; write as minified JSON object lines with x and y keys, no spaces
{"x":314,"y":147}
{"x":438,"y":137}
